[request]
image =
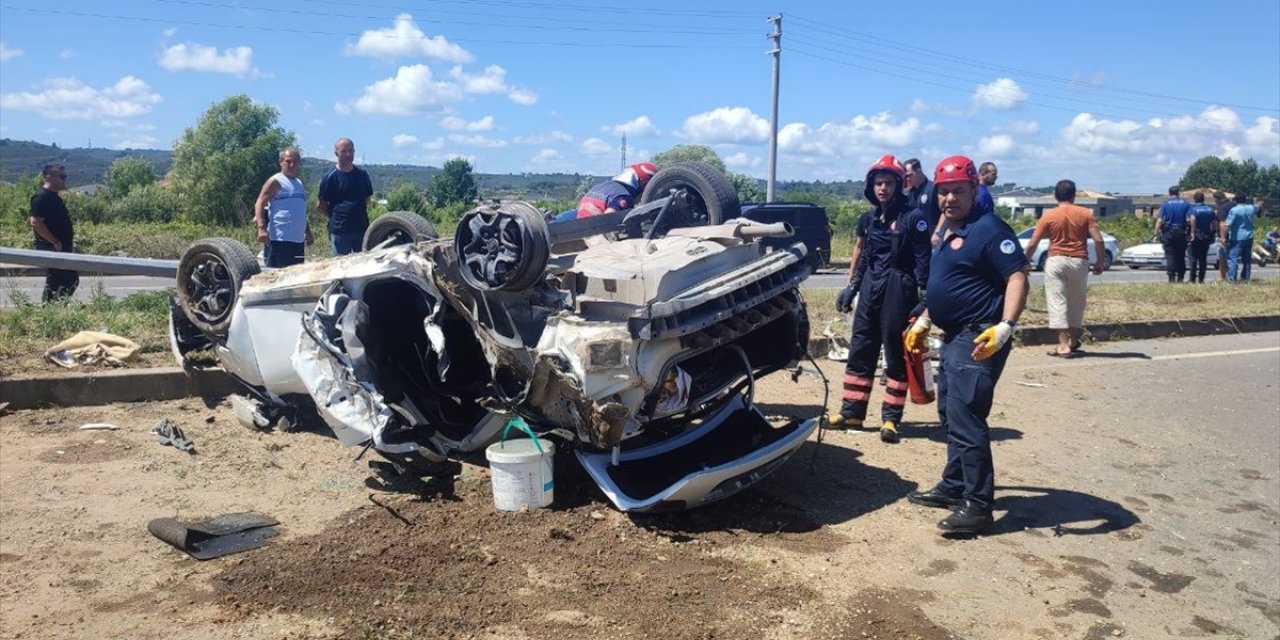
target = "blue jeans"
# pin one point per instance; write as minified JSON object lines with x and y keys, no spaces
{"x":966,"y":389}
{"x":1239,"y":251}
{"x":344,"y":243}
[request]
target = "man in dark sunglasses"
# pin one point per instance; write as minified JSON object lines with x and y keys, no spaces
{"x":53,"y":231}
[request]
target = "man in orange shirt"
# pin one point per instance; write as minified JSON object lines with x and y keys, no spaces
{"x":1069,"y":228}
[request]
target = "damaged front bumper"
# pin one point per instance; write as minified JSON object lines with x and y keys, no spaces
{"x":731,"y":450}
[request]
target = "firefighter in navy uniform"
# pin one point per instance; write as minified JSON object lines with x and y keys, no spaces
{"x":890,"y":271}
{"x":977,"y":290}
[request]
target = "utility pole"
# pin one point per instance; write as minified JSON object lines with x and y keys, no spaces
{"x":623,"y":166}
{"x":776,"y":36}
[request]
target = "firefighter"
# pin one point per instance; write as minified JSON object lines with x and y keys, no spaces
{"x":978,"y":289}
{"x":890,"y":272}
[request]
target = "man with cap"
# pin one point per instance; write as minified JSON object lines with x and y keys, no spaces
{"x":1171,"y":231}
{"x":888,"y":276}
{"x":620,"y":192}
{"x":977,"y":291}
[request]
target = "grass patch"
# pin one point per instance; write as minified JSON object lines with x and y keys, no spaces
{"x":29,"y":328}
{"x":1119,"y":302}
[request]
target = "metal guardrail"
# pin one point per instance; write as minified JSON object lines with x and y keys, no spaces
{"x":85,"y":263}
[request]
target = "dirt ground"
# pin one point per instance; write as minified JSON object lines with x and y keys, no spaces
{"x":1117,"y":517}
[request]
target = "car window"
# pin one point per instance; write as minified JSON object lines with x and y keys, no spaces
{"x":1025,"y":234}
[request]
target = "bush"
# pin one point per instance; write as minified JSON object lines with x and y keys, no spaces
{"x":91,"y":209}
{"x":146,"y":203}
{"x":1127,"y":228}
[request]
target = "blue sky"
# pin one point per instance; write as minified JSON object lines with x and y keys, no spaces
{"x":1120,"y":96}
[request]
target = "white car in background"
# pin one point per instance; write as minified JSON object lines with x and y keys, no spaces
{"x":1151,"y":254}
{"x":1109,"y":244}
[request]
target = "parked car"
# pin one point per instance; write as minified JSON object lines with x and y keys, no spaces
{"x":811,"y":224}
{"x":1109,"y":243}
{"x":1151,"y":254}
{"x":639,"y":350}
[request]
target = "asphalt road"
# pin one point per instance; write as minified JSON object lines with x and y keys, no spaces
{"x":835,"y":278}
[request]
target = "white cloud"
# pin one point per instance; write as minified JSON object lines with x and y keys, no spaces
{"x":742,"y":160}
{"x":539,"y":139}
{"x":640,"y":127}
{"x":189,"y":56}
{"x":402,"y":140}
{"x":316,"y":122}
{"x":878,"y":133}
{"x":595,"y":147}
{"x":454,"y":123}
{"x":405,"y":39}
{"x":170,"y":32}
{"x":131,"y":126}
{"x":8,"y":53}
{"x":490,"y":81}
{"x":412,"y":91}
{"x":545,"y":156}
{"x":737,"y":125}
{"x":64,"y":98}
{"x":434,"y":145}
{"x":995,"y":146}
{"x":477,"y":140}
{"x":1002,"y":94}
{"x":1021,"y":127}
{"x":136,"y":142}
{"x":67,"y":54}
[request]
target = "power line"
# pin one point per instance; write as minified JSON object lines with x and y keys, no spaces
{"x":969,"y":90}
{"x":540,"y":43}
{"x":556,"y":25}
{"x":856,"y":35}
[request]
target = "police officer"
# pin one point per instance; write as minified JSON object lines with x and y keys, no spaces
{"x":1171,"y":230}
{"x":891,"y":268}
{"x":918,"y":189}
{"x":977,"y":290}
{"x":1201,"y":223}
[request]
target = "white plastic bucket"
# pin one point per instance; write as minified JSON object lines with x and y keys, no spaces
{"x":521,"y":473}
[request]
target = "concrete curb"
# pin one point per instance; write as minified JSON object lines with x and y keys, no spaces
{"x":169,"y":383}
{"x":1115,"y":331}
{"x":120,"y":385}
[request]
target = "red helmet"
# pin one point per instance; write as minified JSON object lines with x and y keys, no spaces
{"x":955,"y":169}
{"x":887,"y":164}
{"x":637,"y":175}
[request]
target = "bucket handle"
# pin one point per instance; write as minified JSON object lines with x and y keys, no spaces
{"x":519,"y":423}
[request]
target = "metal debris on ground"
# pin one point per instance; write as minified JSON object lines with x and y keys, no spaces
{"x":218,"y":536}
{"x":171,"y":434}
{"x":98,"y":426}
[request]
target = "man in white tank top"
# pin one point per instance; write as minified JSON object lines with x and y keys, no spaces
{"x":281,"y":213}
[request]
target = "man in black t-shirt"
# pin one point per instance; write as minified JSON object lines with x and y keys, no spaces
{"x":344,"y":199}
{"x":51,"y":224}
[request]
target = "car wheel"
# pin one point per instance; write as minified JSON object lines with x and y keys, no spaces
{"x":504,"y":249}
{"x":711,"y":197}
{"x":1134,"y":267}
{"x":398,"y":227}
{"x":210,"y":274}
{"x":1107,"y":261}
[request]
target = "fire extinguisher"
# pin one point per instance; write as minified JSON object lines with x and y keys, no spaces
{"x":920,"y":386}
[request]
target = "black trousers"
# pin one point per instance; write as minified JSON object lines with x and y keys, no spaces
{"x":1175,"y":252}
{"x":1199,"y":258}
{"x":60,"y":283}
{"x":884,"y":304}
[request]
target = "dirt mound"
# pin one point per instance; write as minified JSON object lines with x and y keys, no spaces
{"x":450,"y":566}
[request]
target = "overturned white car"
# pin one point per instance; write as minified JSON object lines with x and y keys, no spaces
{"x":631,"y":335}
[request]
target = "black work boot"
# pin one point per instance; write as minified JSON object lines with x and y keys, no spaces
{"x":969,"y":518}
{"x":935,"y":498}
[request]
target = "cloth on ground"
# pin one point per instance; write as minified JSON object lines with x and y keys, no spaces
{"x":92,"y":347}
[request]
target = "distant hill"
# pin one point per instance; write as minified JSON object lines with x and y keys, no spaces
{"x":20,"y":158}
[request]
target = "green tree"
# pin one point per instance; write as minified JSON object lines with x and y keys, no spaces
{"x":456,"y":183}
{"x":147,"y":203}
{"x":688,"y":153}
{"x":127,"y":174}
{"x":219,"y":165}
{"x":1233,"y":177}
{"x":405,"y":196}
{"x":749,"y":189}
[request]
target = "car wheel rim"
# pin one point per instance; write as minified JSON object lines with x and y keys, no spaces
{"x":493,"y":248}
{"x":210,"y":288}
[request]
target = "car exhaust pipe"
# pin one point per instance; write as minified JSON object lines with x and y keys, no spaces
{"x":771,"y":230}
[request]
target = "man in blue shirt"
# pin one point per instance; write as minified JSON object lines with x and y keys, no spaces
{"x":344,"y":199}
{"x":1200,"y":221}
{"x":1171,"y":230}
{"x":1237,"y":237}
{"x":987,"y":176}
{"x":977,"y":291}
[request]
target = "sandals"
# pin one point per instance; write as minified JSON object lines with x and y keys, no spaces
{"x":1068,"y":355}
{"x":1076,"y":345}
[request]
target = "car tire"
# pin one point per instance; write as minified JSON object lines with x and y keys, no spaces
{"x":398,"y":227}
{"x":503,"y":249}
{"x":1107,"y":261}
{"x":210,"y":275}
{"x":712,"y":197}
{"x":1134,"y":267}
